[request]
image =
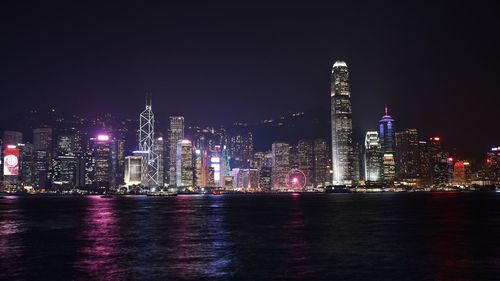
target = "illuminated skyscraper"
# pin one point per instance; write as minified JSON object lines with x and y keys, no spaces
{"x":387,"y":146}
{"x":306,"y":159}
{"x":281,"y":165}
{"x":373,"y":158}
{"x":103,"y":152}
{"x":185,"y":165}
{"x":241,"y":149}
{"x":341,"y":121}
{"x":150,"y":161}
{"x":320,"y":162}
{"x":175,"y":134}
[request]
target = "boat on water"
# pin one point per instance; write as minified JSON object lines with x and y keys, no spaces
{"x":216,"y":192}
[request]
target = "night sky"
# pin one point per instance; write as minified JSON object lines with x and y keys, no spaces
{"x":435,"y":64}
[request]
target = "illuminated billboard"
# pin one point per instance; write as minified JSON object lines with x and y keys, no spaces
{"x":11,"y":161}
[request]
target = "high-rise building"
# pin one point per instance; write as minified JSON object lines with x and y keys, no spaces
{"x":103,"y":150}
{"x":42,"y":145}
{"x":132,"y":174}
{"x":408,"y":156}
{"x":42,"y":139}
{"x":27,"y":164}
{"x":281,"y":165}
{"x":341,"y":121}
{"x":175,"y":134}
{"x":372,"y":158}
{"x":185,"y":165}
{"x":462,"y":174}
{"x":150,"y":160}
{"x":387,"y":146}
{"x":240,"y":148}
{"x":320,"y":162}
{"x":67,"y":171}
{"x":306,"y":160}
{"x":440,"y":166}
{"x":425,"y":163}
{"x":158,"y":148}
{"x":492,"y":171}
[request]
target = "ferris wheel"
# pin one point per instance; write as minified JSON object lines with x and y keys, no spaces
{"x":296,"y":180}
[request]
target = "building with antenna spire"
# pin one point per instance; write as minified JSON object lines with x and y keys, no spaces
{"x":387,"y":146}
{"x":150,"y":160}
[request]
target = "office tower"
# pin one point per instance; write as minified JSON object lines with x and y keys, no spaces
{"x":27,"y":164}
{"x":280,"y":165}
{"x":184,"y":169}
{"x":12,"y":138}
{"x":440,"y":170}
{"x":306,"y":159}
{"x":240,"y":148}
{"x":408,"y":156}
{"x":357,"y":163}
{"x":387,"y":147}
{"x":67,"y":171}
{"x":120,"y":160}
{"x":320,"y":162}
{"x":341,"y":121}
{"x":158,"y":148}
{"x":492,"y":171}
{"x":175,"y":134}
{"x":133,"y":173}
{"x":42,"y":145}
{"x":150,"y":176}
{"x":372,"y":158}
{"x":200,"y":168}
{"x":103,"y":150}
{"x":293,"y":157}
{"x":425,"y":164}
{"x":462,"y":173}
{"x":65,"y":144}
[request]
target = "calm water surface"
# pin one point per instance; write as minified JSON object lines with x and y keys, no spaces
{"x":424,"y":236}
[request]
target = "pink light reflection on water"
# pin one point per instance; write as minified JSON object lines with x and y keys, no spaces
{"x":101,"y":252}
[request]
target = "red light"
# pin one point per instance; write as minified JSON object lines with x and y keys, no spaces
{"x":436,"y":138}
{"x":450,"y":159}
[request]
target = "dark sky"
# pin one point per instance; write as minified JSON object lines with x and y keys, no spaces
{"x":436,"y":64}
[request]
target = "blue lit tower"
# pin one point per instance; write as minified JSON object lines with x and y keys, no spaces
{"x":387,"y":145}
{"x":341,"y":121}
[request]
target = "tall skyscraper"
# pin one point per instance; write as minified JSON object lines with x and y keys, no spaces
{"x":185,"y":165}
{"x":320,"y":162}
{"x":150,"y":162}
{"x":306,"y":159}
{"x":175,"y":134}
{"x":372,"y":158}
{"x":408,"y":156}
{"x":281,"y":165}
{"x":42,"y":145}
{"x":387,"y":146}
{"x":103,"y":152}
{"x":341,"y":121}
{"x":241,"y":149}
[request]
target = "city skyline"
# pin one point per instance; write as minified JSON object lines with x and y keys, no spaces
{"x":275,"y":58}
